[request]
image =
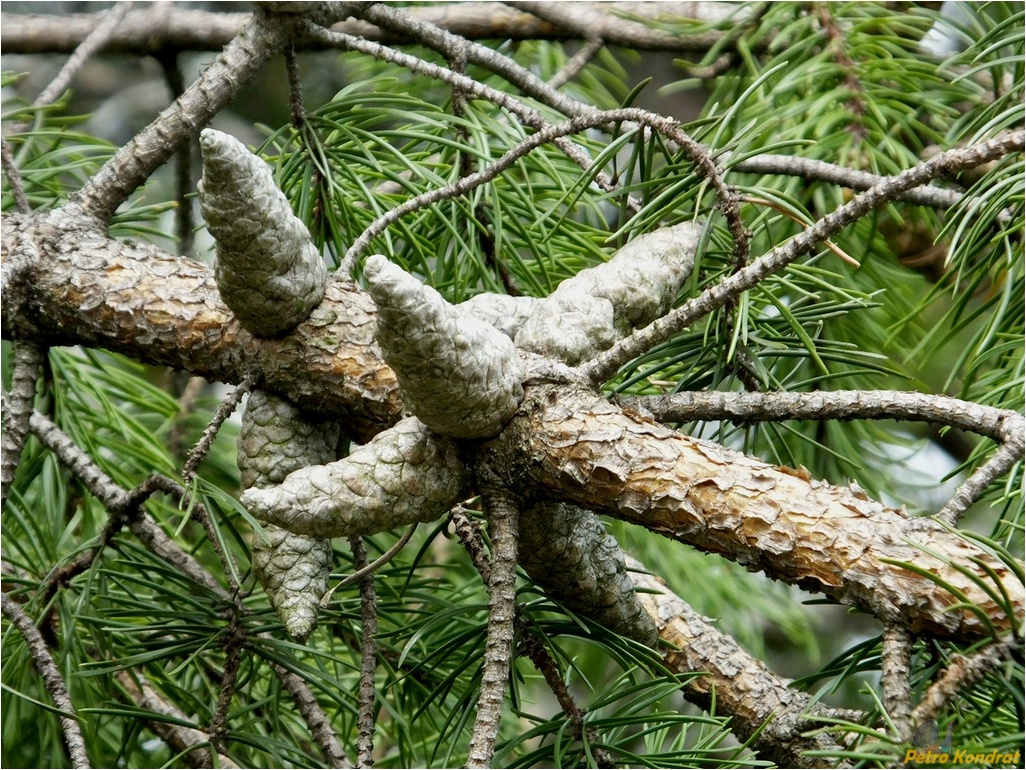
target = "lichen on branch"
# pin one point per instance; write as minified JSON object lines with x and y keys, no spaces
{"x":269,"y":272}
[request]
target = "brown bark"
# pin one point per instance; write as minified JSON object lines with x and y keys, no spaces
{"x":579,"y":448}
{"x":92,"y":290}
{"x":161,"y":309}
{"x":776,"y":717}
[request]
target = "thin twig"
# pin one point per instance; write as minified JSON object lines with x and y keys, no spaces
{"x":78,"y":463}
{"x":503,"y":516}
{"x":544,"y":662}
{"x":606,"y":364}
{"x":115,"y":498}
{"x":186,"y":403}
{"x":550,"y":133}
{"x":368,"y":569}
{"x":962,"y":673}
{"x":17,"y":410}
{"x":526,"y":114}
{"x":369,"y":657}
{"x":1003,"y":425}
{"x":197,"y":512}
{"x":179,"y":737}
{"x":132,"y":165}
{"x":52,"y":679}
{"x":973,"y":487}
{"x":576,"y":63}
{"x":296,"y":108}
{"x":159,"y":543}
{"x":156,"y":540}
{"x":856,"y":179}
{"x":233,"y":641}
{"x":447,"y":43}
{"x":92,"y":43}
{"x":895,"y":657}
{"x":224,"y":410}
{"x":184,"y":224}
{"x":314,"y":716}
{"x":14,"y":177}
{"x":470,"y":537}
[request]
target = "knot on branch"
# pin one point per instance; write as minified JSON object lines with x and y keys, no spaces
{"x":269,"y":272}
{"x":460,"y":376}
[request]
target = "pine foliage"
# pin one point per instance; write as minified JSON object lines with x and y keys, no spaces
{"x":934,"y":304}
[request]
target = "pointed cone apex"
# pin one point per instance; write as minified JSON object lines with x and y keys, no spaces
{"x":459,"y":375}
{"x":403,"y":475}
{"x":276,"y":439}
{"x":294,"y":571}
{"x":600,"y":305}
{"x":268,"y":270}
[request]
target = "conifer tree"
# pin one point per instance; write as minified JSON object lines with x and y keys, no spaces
{"x":476,"y":415}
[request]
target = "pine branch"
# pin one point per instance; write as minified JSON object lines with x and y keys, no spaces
{"x":155,"y":29}
{"x":87,"y":288}
{"x":895,"y":660}
{"x":233,"y":641}
{"x":17,"y":410}
{"x":52,"y":680}
{"x":470,"y":536}
{"x":779,"y":719}
{"x":154,"y":538}
{"x":92,"y":43}
{"x":591,"y":21}
{"x":14,"y":178}
{"x":224,"y":410}
{"x":820,"y":171}
{"x":961,"y":674}
{"x":503,"y":518}
{"x":606,"y":365}
{"x":189,"y":742}
{"x":829,"y":539}
{"x":973,"y":487}
{"x":1003,"y":425}
{"x":369,"y":658}
{"x":525,"y":114}
{"x":576,"y":63}
{"x":151,"y":147}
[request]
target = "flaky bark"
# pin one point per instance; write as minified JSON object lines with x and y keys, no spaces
{"x":161,"y":309}
{"x":90,"y":289}
{"x":834,"y":540}
{"x":766,"y":710}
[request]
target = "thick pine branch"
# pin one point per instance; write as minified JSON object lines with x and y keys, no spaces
{"x":778,"y":520}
